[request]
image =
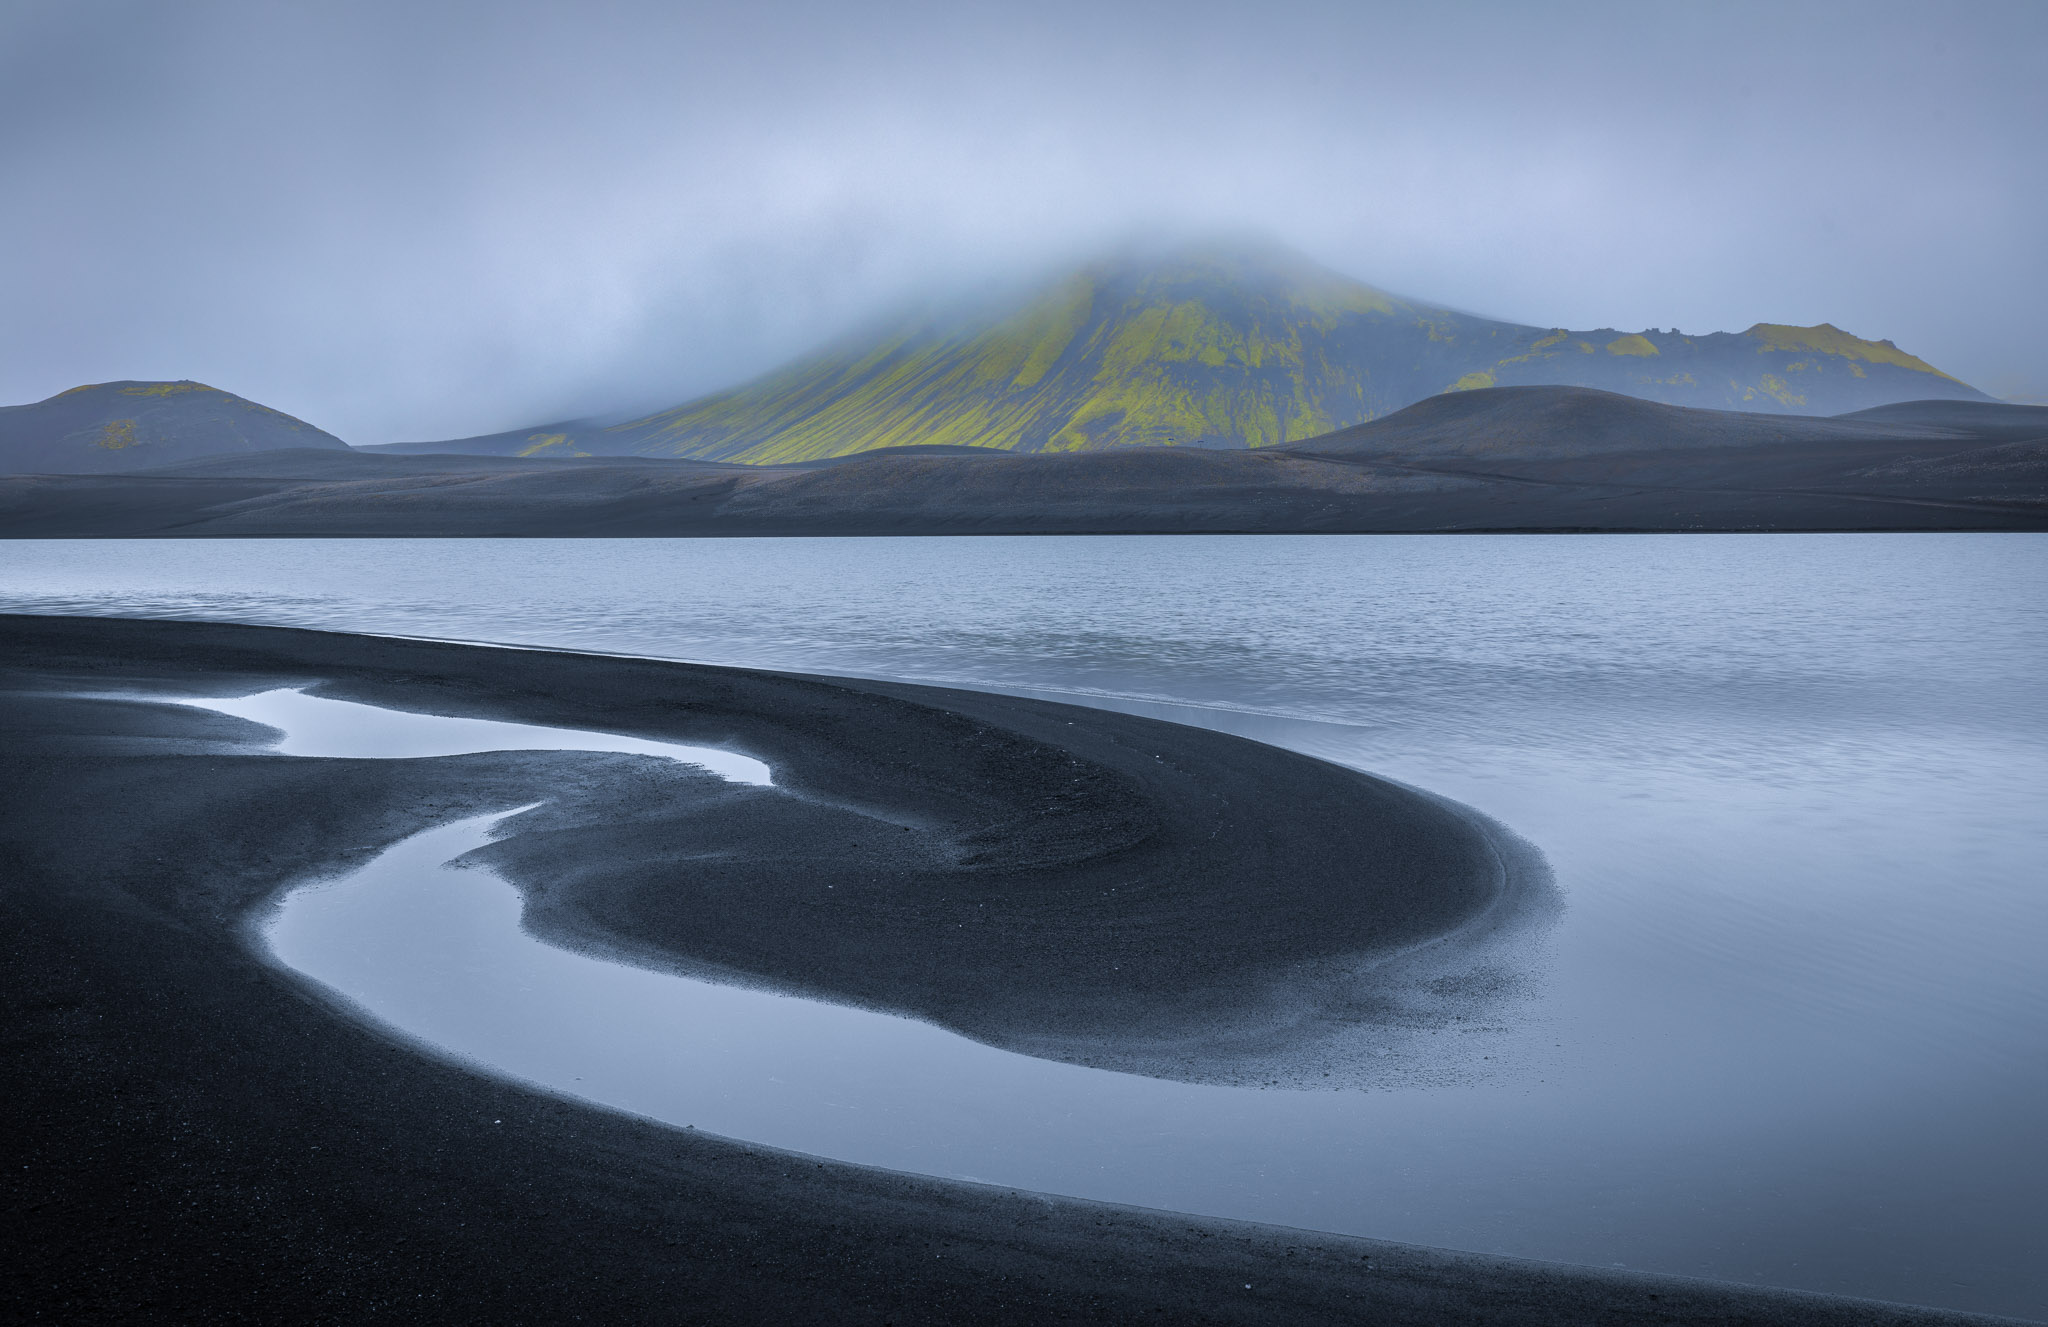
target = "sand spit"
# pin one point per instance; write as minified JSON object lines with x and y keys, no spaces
{"x":199,"y":1135}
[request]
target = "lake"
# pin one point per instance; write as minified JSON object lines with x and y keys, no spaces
{"x":1792,"y":1025}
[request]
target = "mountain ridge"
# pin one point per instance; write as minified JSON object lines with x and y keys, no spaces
{"x":1228,"y":346}
{"x":1527,"y":459}
{"x":1550,"y":422}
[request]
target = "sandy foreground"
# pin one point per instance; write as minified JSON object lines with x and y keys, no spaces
{"x":195,"y":1134}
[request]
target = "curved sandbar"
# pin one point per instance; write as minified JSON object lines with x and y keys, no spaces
{"x":196,"y":1135}
{"x":1070,"y":883}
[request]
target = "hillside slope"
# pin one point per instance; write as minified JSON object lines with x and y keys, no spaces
{"x":2000,"y":419}
{"x":117,"y":426}
{"x":1220,"y":346}
{"x":1771,"y":367}
{"x":1219,"y":349}
{"x":1543,"y":458}
{"x":1514,"y":424}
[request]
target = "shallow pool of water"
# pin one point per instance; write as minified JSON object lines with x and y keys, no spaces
{"x":320,"y":726}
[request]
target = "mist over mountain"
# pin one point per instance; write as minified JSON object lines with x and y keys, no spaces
{"x":102,"y":428}
{"x":1228,"y":345}
{"x":380,"y":221}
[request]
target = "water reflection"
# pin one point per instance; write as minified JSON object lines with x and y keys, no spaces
{"x":310,"y":725}
{"x":1791,"y":786}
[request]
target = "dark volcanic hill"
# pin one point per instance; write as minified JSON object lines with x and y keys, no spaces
{"x":1637,"y":464}
{"x":1516,"y":424}
{"x":1225,"y":346}
{"x":1989,"y":419}
{"x":1540,"y":458}
{"x":115,"y":426}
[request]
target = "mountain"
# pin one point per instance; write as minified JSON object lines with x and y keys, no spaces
{"x":1225,"y":346}
{"x":118,"y":426}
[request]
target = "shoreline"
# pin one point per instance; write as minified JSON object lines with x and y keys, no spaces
{"x":209,"y":1139}
{"x":1174,"y":894}
{"x":2020,"y":525}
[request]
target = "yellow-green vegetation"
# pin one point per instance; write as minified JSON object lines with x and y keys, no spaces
{"x":539,"y":444}
{"x":164,"y":388}
{"x":116,"y":435}
{"x":1226,"y":346}
{"x":1208,"y":348}
{"x":1829,"y":339}
{"x":1057,"y":323}
{"x":1779,"y":390}
{"x":1718,"y":370}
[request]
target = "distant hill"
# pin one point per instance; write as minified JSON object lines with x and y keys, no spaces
{"x":1771,"y":367}
{"x":1225,"y":346}
{"x":1516,"y":424}
{"x":1622,"y":455}
{"x":548,"y":440}
{"x":1536,"y":458}
{"x":119,"y":426}
{"x":2001,"y":419}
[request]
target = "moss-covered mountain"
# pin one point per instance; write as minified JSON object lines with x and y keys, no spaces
{"x":113,"y":426}
{"x":1220,"y":348}
{"x":1223,"y":346}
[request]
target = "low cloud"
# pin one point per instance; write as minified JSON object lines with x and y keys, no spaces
{"x":402,"y":222}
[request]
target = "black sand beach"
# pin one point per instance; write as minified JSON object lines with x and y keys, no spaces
{"x":198,"y":1136}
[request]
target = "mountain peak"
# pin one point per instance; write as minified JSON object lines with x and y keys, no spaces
{"x":1220,"y":341}
{"x":135,"y":387}
{"x":1242,"y":264}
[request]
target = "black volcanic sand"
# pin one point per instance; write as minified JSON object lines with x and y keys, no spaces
{"x":196,"y":1135}
{"x":1079,"y":885}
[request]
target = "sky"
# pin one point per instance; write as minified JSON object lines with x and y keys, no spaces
{"x":416,"y":221}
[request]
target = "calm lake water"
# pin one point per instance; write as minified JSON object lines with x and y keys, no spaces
{"x":1792,"y":1027}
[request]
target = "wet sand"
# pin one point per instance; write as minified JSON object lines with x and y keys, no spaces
{"x":198,"y":1134}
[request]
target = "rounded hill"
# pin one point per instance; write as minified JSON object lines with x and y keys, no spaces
{"x":116,"y":426}
{"x":1532,"y":423}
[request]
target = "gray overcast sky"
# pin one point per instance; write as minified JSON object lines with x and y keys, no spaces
{"x":406,"y":221}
